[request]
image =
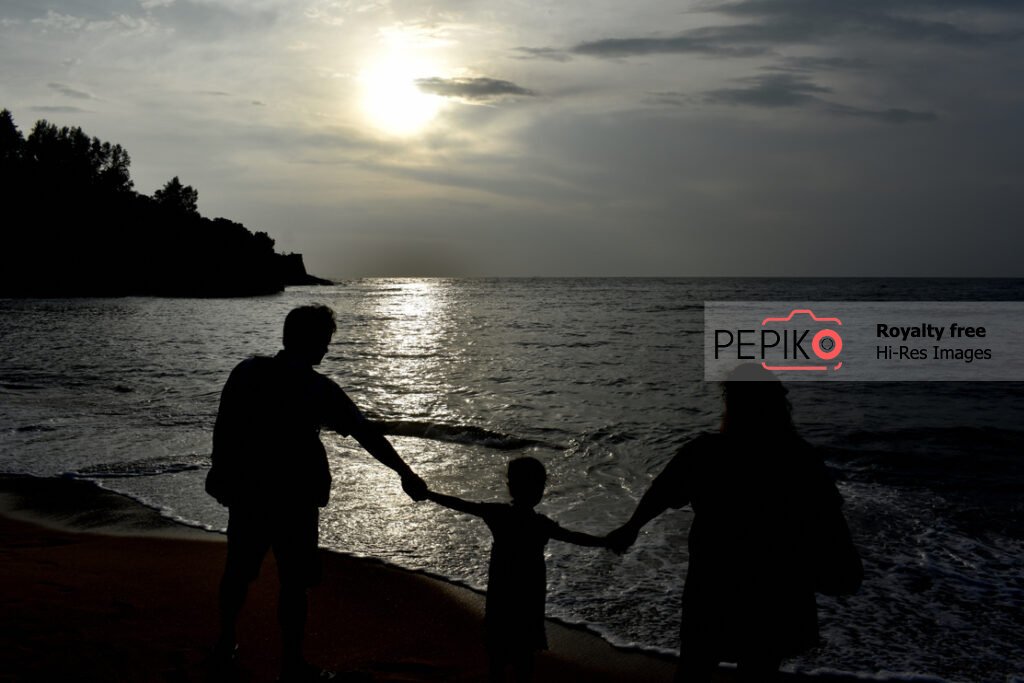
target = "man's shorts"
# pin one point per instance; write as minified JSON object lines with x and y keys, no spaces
{"x":292,"y":533}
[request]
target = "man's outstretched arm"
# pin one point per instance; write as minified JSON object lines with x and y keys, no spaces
{"x":376,"y":444}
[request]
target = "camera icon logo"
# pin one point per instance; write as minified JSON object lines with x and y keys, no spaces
{"x":826,"y":343}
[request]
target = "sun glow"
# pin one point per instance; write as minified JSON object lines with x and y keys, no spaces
{"x":391,"y":100}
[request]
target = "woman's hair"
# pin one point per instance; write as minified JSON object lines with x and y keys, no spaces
{"x":755,"y":403}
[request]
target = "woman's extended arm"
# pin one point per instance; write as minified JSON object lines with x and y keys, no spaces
{"x":669,"y":489}
{"x":650,"y":506}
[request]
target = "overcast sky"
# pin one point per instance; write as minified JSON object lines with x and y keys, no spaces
{"x":544,"y":137}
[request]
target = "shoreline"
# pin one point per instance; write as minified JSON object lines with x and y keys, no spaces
{"x":123,"y":578}
{"x":101,"y":587}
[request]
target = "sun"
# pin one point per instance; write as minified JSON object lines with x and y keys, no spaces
{"x":391,"y":100}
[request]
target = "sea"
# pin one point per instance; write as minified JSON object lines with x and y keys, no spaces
{"x":600,"y":379}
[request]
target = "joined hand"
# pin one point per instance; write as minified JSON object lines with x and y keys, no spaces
{"x":414,"y":487}
{"x":621,"y":539}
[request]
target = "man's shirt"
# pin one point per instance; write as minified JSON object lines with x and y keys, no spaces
{"x":266,"y":441}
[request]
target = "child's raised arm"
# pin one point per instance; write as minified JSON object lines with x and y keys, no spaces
{"x":458,"y":504}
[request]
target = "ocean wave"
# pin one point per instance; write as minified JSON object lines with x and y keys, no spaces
{"x":20,"y":386}
{"x":953,"y":457}
{"x":35,"y":428}
{"x":673,"y":308}
{"x":564,"y":345}
{"x":948,"y":437}
{"x":147,"y":467}
{"x":888,"y":676}
{"x":462,"y":434}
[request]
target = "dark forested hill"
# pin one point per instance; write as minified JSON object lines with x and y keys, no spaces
{"x":74,"y":226}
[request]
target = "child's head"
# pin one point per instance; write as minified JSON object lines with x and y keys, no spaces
{"x":526,"y":480}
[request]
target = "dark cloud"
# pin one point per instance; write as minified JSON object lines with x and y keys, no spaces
{"x":475,"y":89}
{"x":545,"y":53}
{"x":44,"y":109}
{"x":670,"y":98}
{"x":791,"y":90}
{"x":769,"y":90}
{"x":68,"y":91}
{"x":772,"y":23}
{"x":811,"y":21}
{"x":891,"y":115}
{"x":822,"y":64}
{"x":684,"y":44}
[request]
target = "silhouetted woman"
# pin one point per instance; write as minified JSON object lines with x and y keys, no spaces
{"x":759,"y":495}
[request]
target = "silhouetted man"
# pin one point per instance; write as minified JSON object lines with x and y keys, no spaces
{"x":270,"y":469}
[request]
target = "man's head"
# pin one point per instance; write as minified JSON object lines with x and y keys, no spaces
{"x":526,"y":480}
{"x":308,"y":331}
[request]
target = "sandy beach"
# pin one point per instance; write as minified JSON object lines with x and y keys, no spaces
{"x":99,"y":588}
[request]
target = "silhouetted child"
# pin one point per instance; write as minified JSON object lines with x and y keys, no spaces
{"x":517,"y":577}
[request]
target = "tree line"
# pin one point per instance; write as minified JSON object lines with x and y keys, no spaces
{"x":75,"y":226}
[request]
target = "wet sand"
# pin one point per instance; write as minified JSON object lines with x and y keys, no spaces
{"x":97,"y":587}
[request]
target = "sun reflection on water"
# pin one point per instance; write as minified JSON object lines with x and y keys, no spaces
{"x":408,"y":364}
{"x":413,"y":340}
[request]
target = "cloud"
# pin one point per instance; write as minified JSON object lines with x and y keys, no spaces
{"x":893,"y":115}
{"x":68,"y":91}
{"x":55,"y":21}
{"x":59,"y":110}
{"x":791,"y":90}
{"x":201,"y":21}
{"x":188,"y":19}
{"x":546,"y":53}
{"x":808,"y":63}
{"x":66,"y":13}
{"x":769,"y":90}
{"x":123,"y":23}
{"x":772,"y":23}
{"x":684,"y":44}
{"x":472,"y":89}
{"x":811,"y":21}
{"x":670,"y":98}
